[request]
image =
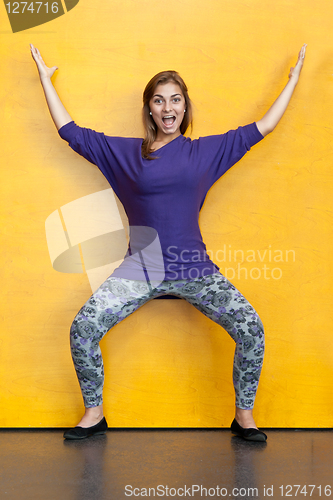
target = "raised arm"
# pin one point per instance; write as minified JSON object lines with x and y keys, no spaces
{"x":58,"y":111}
{"x":269,"y":121}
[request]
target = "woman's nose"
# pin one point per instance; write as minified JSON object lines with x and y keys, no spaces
{"x":167,"y":106}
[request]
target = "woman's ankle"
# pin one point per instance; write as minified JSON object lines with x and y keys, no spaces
{"x":92,"y":416}
{"x":94,"y":411}
{"x":245,"y":418}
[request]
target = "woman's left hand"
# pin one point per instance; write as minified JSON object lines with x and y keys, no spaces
{"x":295,"y":72}
{"x":269,"y":121}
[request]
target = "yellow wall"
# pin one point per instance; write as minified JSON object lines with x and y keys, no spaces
{"x":167,"y":365}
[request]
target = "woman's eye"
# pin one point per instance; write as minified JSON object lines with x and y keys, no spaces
{"x":158,"y":101}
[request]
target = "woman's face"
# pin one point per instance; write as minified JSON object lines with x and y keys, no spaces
{"x":167,"y":107}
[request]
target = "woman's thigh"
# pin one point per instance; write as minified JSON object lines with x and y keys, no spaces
{"x":220,"y":300}
{"x":112,"y":302}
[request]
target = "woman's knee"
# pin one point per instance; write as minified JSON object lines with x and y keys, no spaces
{"x":256,"y":327}
{"x":244,"y":326}
{"x":254,"y":336}
{"x":91,"y":323}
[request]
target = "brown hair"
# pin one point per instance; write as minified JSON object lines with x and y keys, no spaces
{"x":148,"y":122}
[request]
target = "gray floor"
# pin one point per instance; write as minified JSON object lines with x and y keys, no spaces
{"x":37,"y":464}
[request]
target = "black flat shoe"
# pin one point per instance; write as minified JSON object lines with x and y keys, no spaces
{"x":84,"y":432}
{"x":247,"y":434}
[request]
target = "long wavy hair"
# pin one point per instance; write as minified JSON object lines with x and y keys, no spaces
{"x":148,"y":122}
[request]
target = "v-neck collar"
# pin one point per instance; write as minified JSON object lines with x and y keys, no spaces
{"x":167,"y":144}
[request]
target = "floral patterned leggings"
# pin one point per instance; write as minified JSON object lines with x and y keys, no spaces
{"x":213,"y":295}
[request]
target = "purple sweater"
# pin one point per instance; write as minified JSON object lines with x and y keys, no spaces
{"x":163,"y":197}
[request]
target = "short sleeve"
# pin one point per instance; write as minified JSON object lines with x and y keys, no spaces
{"x":223,"y":151}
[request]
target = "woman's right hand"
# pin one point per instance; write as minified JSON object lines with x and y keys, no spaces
{"x":44,"y":71}
{"x":295,"y":72}
{"x":58,"y":111}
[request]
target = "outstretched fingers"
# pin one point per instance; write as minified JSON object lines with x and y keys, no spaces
{"x":295,"y":71}
{"x":42,"y":68}
{"x":301,"y":54}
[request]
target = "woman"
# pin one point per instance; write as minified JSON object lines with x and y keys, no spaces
{"x":162,"y":182}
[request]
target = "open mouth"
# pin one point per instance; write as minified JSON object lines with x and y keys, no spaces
{"x":169,"y":120}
